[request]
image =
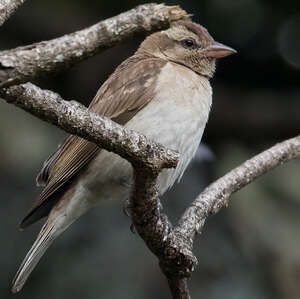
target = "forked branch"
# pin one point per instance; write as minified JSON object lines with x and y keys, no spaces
{"x":172,"y":246}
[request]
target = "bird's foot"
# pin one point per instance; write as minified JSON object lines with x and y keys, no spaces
{"x":127,"y":211}
{"x":132,"y":228}
{"x":127,"y":207}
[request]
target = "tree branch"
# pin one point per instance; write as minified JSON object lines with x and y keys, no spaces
{"x":26,"y":63}
{"x":7,"y":8}
{"x":172,"y":246}
{"x":147,"y":158}
{"x":75,"y":119}
{"x":179,"y":288}
{"x":215,"y":196}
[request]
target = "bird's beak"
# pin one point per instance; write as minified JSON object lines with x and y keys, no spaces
{"x":218,"y":50}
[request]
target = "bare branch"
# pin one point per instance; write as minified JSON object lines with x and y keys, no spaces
{"x":179,"y":288}
{"x":172,"y":246}
{"x":7,"y":8}
{"x":76,"y":119}
{"x":215,"y":196}
{"x":147,"y":158}
{"x":175,"y":256}
{"x":26,"y":63}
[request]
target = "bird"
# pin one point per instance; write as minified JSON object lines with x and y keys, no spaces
{"x":162,"y":91}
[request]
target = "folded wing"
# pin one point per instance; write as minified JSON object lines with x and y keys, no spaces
{"x":125,"y":92}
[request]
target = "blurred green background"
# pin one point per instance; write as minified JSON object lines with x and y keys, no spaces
{"x":250,"y":250}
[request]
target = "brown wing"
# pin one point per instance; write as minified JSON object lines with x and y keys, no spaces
{"x":125,"y":92}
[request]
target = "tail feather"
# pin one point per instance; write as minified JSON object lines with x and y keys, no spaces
{"x":43,"y":241}
{"x":64,"y":213}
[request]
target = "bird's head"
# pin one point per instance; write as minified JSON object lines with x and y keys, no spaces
{"x":189,"y":44}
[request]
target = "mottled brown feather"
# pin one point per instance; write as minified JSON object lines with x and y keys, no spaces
{"x":125,"y":92}
{"x":197,"y":29}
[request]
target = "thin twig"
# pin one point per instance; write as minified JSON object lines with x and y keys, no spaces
{"x":26,"y":63}
{"x":215,"y":196}
{"x":7,"y":8}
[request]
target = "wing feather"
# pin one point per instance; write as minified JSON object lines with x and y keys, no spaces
{"x":125,"y":92}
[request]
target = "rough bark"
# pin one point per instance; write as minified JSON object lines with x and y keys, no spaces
{"x":172,"y":246}
{"x":179,"y":288}
{"x":7,"y":8}
{"x":27,"y":63}
{"x":215,"y":196}
{"x":74,"y":118}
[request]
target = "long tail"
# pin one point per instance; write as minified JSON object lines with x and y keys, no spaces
{"x":45,"y":238}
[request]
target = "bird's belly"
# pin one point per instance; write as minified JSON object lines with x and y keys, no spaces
{"x":176,"y":118}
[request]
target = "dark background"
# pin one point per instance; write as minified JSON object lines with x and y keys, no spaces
{"x":251,"y":249}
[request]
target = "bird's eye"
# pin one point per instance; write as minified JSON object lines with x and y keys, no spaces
{"x":189,"y":43}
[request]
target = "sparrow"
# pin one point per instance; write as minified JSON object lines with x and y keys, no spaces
{"x":163,"y":91}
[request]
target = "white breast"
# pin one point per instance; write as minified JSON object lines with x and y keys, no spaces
{"x":176,"y":118}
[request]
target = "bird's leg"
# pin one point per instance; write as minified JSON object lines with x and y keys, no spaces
{"x":132,"y":228}
{"x":127,"y":207}
{"x":167,"y":226}
{"x":127,"y":211}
